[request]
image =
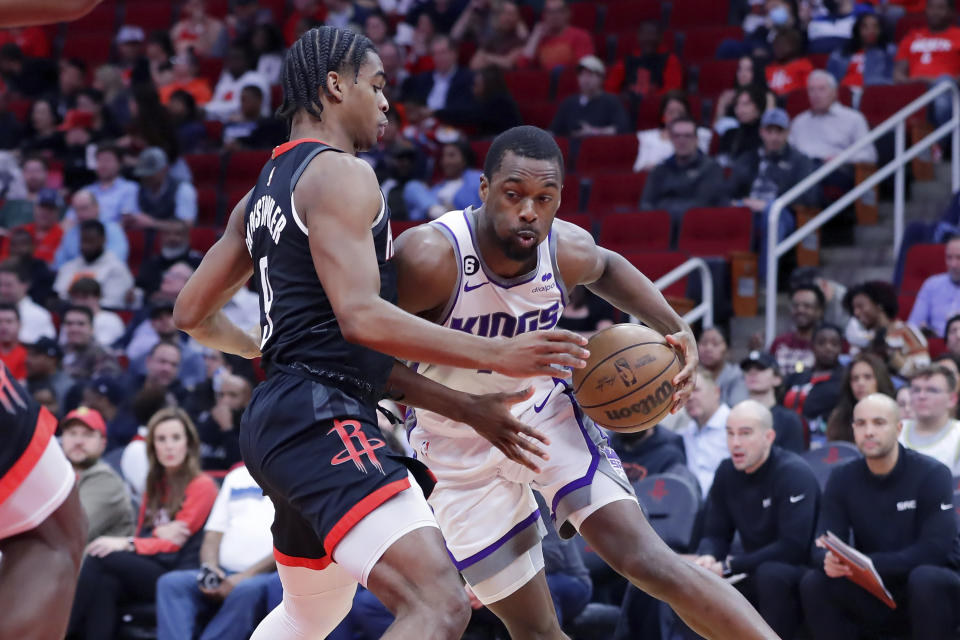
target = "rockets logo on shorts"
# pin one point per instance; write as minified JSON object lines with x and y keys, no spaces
{"x":356,"y":445}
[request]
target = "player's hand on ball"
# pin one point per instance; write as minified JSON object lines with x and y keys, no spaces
{"x":534,"y":353}
{"x":490,"y":416}
{"x":685,"y":380}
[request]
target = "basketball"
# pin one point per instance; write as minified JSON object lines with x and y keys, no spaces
{"x":627,"y":385}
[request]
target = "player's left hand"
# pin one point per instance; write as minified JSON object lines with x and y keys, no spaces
{"x":490,"y":416}
{"x":686,"y":378}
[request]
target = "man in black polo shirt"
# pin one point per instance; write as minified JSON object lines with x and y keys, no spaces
{"x":762,"y":376}
{"x":769,"y":496}
{"x":898,"y":504}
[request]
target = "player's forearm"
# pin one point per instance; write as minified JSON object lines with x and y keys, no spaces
{"x":623,"y":286}
{"x":410,"y":388}
{"x":218,"y":332}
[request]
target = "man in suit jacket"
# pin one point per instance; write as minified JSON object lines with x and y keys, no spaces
{"x":447,"y":88}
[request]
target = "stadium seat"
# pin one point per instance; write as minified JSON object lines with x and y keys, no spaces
{"x":637,"y":231}
{"x":828,"y":457}
{"x":538,"y":114}
{"x":701,"y":43}
{"x":584,"y":15}
{"x":202,"y":238}
{"x":671,"y":505}
{"x":907,"y":23}
{"x":935,"y":346}
{"x":210,"y":68}
{"x":923,"y":261}
{"x":480,"y":148}
{"x":214,"y":130}
{"x":205,"y":167}
{"x":218,"y":8}
{"x":623,"y":16}
{"x":625,"y":41}
{"x":208,"y":205}
{"x":149,"y":14}
{"x":566,"y":83}
{"x":570,"y":199}
{"x":528,"y":86}
{"x":693,"y":13}
{"x":102,"y":19}
{"x":613,"y":192}
{"x":656,"y":264}
{"x":91,"y":47}
{"x":905,"y":303}
{"x":243,"y":168}
{"x":600,"y":154}
{"x":715,"y":231}
{"x":715,"y":77}
{"x":399,"y":226}
{"x":137,"y":242}
{"x":879,"y":102}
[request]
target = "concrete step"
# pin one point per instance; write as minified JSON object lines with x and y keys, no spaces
{"x":856,"y":256}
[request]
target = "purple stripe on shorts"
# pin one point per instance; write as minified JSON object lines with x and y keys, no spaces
{"x":594,"y":462}
{"x":480,"y":555}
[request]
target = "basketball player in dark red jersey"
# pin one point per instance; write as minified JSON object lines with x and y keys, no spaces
{"x":42,"y":527}
{"x":495,"y":270}
{"x":25,"y":13}
{"x":345,"y":510}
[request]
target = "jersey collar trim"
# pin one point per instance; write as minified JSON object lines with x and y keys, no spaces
{"x":287,"y":146}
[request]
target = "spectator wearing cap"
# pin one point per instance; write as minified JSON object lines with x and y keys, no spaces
{"x":704,"y":436}
{"x":815,"y":391}
{"x":21,"y":253}
{"x":689,"y":178}
{"x":763,"y":379}
{"x":45,"y":228}
{"x":77,"y":130}
{"x":252,"y":130}
{"x":85,"y":206}
{"x":35,"y":321}
{"x":238,"y":72}
{"x":191,"y":369}
{"x":116,"y":196}
{"x":107,"y":395}
{"x":103,"y":494}
{"x":828,"y":128}
{"x":448,"y":87}
{"x":761,"y":175}
{"x":874,"y":308}
{"x":107,"y":326}
{"x":712,"y":347}
{"x":939,"y":296}
{"x":592,"y":111}
{"x":553,"y":42}
{"x":97,"y":262}
{"x":174,"y":247}
{"x":237,"y":547}
{"x":12,"y":353}
{"x":43,"y":370}
{"x":131,"y":41}
{"x":792,"y":349}
{"x":160,"y":197}
{"x":83,"y":357}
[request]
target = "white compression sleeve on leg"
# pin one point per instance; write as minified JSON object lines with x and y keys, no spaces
{"x":314,"y":603}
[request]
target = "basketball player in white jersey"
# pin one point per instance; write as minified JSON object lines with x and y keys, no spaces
{"x":501,"y":270}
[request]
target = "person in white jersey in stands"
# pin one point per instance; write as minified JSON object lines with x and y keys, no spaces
{"x":934,"y":431}
{"x":501,"y":270}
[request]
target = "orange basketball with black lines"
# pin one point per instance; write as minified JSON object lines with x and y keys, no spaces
{"x":627,"y":385}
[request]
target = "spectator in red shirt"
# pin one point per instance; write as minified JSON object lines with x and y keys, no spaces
{"x":788,"y":72}
{"x":650,"y":70}
{"x":45,"y":228}
{"x":553,"y":42}
{"x":12,"y":353}
{"x":312,"y":10}
{"x":176,"y":503}
{"x":932,"y":54}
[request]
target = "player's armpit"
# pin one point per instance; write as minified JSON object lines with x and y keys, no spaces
{"x":426,"y":270}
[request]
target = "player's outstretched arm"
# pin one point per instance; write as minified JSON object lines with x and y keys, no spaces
{"x":25,"y":13}
{"x":488,"y":414}
{"x":339,"y":197}
{"x":226,"y":267}
{"x":613,"y":278}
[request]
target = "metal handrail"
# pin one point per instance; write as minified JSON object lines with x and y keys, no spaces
{"x":704,"y":309}
{"x":896,"y":165}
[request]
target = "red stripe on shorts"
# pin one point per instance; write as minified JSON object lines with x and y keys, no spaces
{"x":359,"y":511}
{"x":46,"y":426}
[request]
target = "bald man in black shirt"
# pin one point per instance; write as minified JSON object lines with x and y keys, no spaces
{"x":898,"y":504}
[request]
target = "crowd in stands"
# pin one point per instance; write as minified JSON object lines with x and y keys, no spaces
{"x":126,"y":137}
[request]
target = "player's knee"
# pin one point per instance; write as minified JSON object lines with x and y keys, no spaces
{"x":452,"y":613}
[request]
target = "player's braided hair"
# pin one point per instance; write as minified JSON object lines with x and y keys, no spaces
{"x":307,"y":63}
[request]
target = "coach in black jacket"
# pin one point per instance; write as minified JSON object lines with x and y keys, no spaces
{"x":898,"y":504}
{"x":770,"y":497}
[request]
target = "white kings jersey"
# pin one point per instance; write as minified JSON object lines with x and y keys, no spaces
{"x":488,"y":305}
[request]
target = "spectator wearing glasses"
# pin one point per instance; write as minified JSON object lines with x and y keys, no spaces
{"x":934,"y":431}
{"x":793,"y":350}
{"x":939,"y":297}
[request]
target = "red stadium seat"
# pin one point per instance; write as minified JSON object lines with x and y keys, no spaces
{"x":243,"y":167}
{"x":102,"y":19}
{"x":908,"y":23}
{"x":716,"y":76}
{"x":879,"y":102}
{"x":399,"y":226}
{"x":690,"y":13}
{"x":702,"y":42}
{"x":627,"y":41}
{"x":529,"y":85}
{"x":715,"y":231}
{"x":202,"y":238}
{"x":607,"y":153}
{"x":210,"y":68}
{"x":208,"y":205}
{"x":637,"y":231}
{"x":923,"y":261}
{"x":936,"y":346}
{"x":655,"y":264}
{"x":91,"y":47}
{"x":621,"y":16}
{"x":566,"y":83}
{"x":613,"y":192}
{"x":538,"y":114}
{"x":136,"y":240}
{"x":570,"y":198}
{"x":149,"y":14}
{"x":584,"y":15}
{"x":905,"y":302}
{"x":214,"y":130}
{"x":205,"y":167}
{"x":480,"y":148}
{"x":582,"y":220}
{"x":20,"y":108}
{"x":218,"y":8}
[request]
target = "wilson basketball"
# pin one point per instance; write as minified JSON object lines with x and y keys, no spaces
{"x":627,"y":385}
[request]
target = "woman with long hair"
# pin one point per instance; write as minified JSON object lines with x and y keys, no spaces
{"x":177,"y":500}
{"x":867,"y":59}
{"x":866,"y":374}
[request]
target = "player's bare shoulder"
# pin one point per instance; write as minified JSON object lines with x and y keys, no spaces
{"x":426,"y":268}
{"x":579,"y":258}
{"x":338,"y":183}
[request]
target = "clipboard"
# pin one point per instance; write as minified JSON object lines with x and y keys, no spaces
{"x":864,"y":573}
